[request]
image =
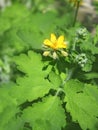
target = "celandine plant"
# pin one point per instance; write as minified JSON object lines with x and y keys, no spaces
{"x":59,"y":88}
{"x":58,"y":85}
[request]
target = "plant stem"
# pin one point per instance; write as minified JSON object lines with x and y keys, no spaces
{"x":70,"y":73}
{"x":76,"y":12}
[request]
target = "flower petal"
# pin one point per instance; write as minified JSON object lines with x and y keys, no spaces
{"x":53,"y":38}
{"x":47,"y":42}
{"x":63,"y":45}
{"x":60,"y":42}
{"x":60,"y":39}
{"x":55,"y":43}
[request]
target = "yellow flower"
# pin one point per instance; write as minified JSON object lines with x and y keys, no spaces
{"x":55,"y":43}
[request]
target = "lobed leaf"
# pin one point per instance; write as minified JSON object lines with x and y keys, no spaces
{"x":46,"y":115}
{"x":82,"y":103}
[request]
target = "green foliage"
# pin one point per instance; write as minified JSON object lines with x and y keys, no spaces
{"x":82,"y":103}
{"x":34,"y":81}
{"x":57,"y":92}
{"x":32,"y":87}
{"x":10,"y":19}
{"x":21,"y":30}
{"x":38,"y":108}
{"x":49,"y":114}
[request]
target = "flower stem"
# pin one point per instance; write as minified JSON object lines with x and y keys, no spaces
{"x":76,"y":13}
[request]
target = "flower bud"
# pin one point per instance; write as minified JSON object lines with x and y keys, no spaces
{"x":55,"y":56}
{"x":46,"y":53}
{"x":64,"y":53}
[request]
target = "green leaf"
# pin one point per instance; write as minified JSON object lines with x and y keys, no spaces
{"x":8,"y":108}
{"x":82,"y":103}
{"x":55,"y":79}
{"x":4,"y":24}
{"x":33,"y":85}
{"x":7,"y":116}
{"x":91,"y":75}
{"x":10,"y":16}
{"x":96,"y":36}
{"x":15,"y":16}
{"x":5,"y":97}
{"x":89,"y":46}
{"x":46,"y":115}
{"x":31,"y":88}
{"x":30,"y":64}
{"x":36,"y":29}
